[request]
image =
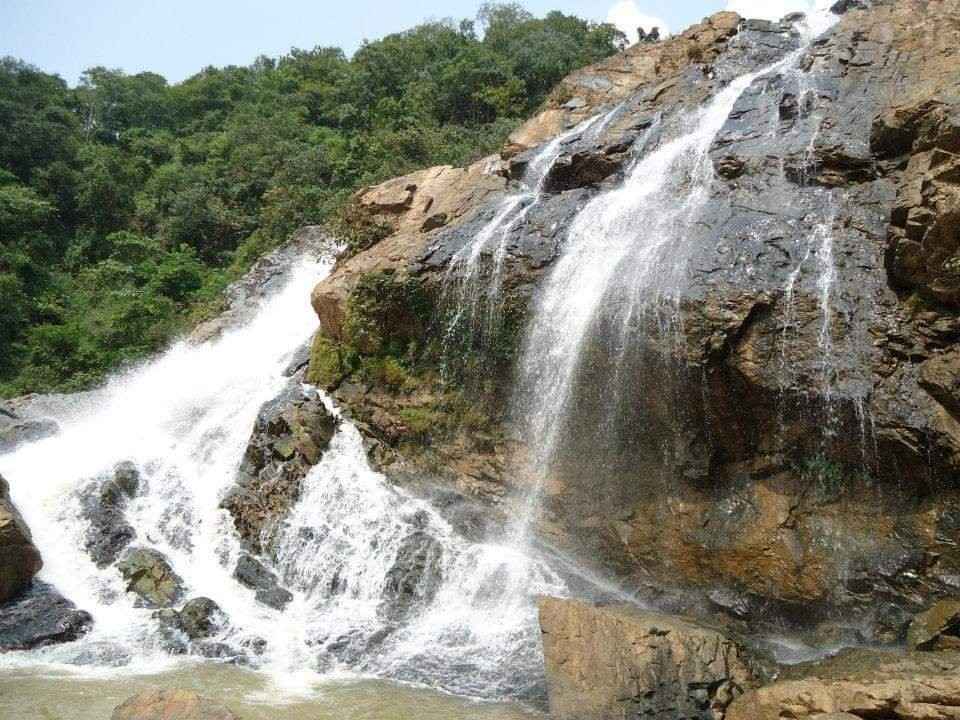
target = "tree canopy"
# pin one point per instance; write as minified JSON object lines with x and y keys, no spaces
{"x":127,"y":204}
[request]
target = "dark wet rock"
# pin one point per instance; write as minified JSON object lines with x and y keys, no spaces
{"x":103,"y":503}
{"x":219,"y":651}
{"x":251,"y":573}
{"x":150,"y":576}
{"x":16,"y":430}
{"x":201,"y":618}
{"x":290,"y":436}
{"x":19,"y":558}
{"x":40,"y":616}
{"x":842,"y":7}
{"x":354,"y":647}
{"x":415,"y":576}
{"x":171,"y":704}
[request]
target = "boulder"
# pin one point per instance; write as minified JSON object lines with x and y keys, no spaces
{"x":103,"y":503}
{"x":19,"y":558}
{"x":16,"y":430}
{"x":251,"y":573}
{"x":171,"y":705}
{"x":617,"y":661}
{"x":860,"y":684}
{"x":936,"y":628}
{"x":149,"y":575}
{"x":290,"y":435}
{"x":38,"y":617}
{"x":413,"y":579}
{"x":201,"y":618}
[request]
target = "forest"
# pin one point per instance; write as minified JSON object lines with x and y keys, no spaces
{"x":127,"y":203}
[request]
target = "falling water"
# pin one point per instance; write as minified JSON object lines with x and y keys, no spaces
{"x":625,"y":249}
{"x":350,"y":550}
{"x":475,"y":299}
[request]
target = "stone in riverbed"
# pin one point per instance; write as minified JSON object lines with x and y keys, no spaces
{"x":40,"y":616}
{"x":171,"y":705}
{"x":103,"y":503}
{"x":149,"y":575}
{"x":614,"y":662}
{"x":19,"y":558}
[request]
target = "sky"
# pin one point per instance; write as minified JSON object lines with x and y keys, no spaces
{"x":177,"y":38}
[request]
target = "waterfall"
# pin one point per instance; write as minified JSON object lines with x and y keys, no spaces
{"x":476,"y":300}
{"x":625,"y":249}
{"x":382,"y":584}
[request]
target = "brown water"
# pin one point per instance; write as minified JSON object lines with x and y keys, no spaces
{"x":28,"y":696}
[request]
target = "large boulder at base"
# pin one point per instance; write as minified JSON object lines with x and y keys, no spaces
{"x":937,"y":628}
{"x":860,"y":684}
{"x":38,"y":617}
{"x":615,"y":662}
{"x":171,"y":705}
{"x":149,"y":575}
{"x":19,"y":559}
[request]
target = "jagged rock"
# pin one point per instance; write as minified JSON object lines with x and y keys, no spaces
{"x":102,"y":654}
{"x":252,"y":573}
{"x":936,"y":628}
{"x":149,"y":575}
{"x":201,"y":618}
{"x":103,"y":503}
{"x":19,"y":559}
{"x":860,"y":684}
{"x":289,"y":437}
{"x":612,"y":662}
{"x":415,"y":576}
{"x":171,"y":705}
{"x":40,"y":616}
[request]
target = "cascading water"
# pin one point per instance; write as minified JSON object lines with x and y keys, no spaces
{"x":475,"y":299}
{"x":625,"y":247}
{"x":349,"y":550}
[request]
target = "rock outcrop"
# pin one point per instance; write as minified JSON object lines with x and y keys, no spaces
{"x":103,"y":503}
{"x":254,"y":575}
{"x":19,"y":559}
{"x":612,"y":662}
{"x":803,"y":434}
{"x":149,"y":576}
{"x":38,"y":617}
{"x":290,"y":436}
{"x":860,"y":684}
{"x":171,"y":705}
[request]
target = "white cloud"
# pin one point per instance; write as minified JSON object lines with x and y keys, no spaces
{"x":775,"y":9}
{"x":627,"y":17}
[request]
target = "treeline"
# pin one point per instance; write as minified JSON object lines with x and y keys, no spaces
{"x":127,"y":204}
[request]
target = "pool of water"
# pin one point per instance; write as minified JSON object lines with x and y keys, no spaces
{"x":60,"y":695}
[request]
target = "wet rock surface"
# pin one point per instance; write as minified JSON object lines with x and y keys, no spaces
{"x":150,"y":576}
{"x":103,"y":503}
{"x":254,"y":575}
{"x":620,"y":662}
{"x":16,"y":429}
{"x":290,"y":436}
{"x":38,"y":617}
{"x":19,"y":558}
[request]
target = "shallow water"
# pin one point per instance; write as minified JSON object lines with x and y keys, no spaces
{"x":48,"y":696}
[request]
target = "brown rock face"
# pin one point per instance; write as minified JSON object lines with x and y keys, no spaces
{"x":171,"y":705}
{"x":936,"y":628}
{"x":19,"y":559}
{"x":860,"y":684}
{"x":614,"y":662}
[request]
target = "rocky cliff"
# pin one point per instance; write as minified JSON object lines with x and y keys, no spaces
{"x":787,"y":448}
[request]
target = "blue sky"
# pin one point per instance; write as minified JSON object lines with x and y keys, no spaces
{"x":177,"y":38}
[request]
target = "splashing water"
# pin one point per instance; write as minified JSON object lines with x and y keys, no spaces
{"x":382,"y":584}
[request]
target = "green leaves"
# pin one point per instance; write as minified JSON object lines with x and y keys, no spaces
{"x":127,"y":204}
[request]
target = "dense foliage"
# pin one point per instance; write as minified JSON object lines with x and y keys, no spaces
{"x":127,"y":204}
